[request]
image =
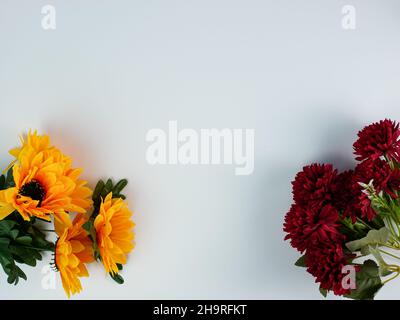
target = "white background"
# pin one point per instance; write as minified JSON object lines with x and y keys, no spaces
{"x":112,"y":70}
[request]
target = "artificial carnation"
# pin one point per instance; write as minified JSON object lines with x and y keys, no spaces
{"x":326,"y":262}
{"x":378,"y":139}
{"x":383,"y":179}
{"x":342,"y":196}
{"x":314,"y":185}
{"x":361,"y":205}
{"x":309,"y":226}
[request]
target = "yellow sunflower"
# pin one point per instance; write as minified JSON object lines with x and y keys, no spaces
{"x":73,"y":250}
{"x":114,"y":232}
{"x":45,"y":183}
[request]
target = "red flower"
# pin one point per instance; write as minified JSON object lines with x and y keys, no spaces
{"x":313,"y":187}
{"x":309,"y":226}
{"x":342,"y":196}
{"x":377,"y":170}
{"x":383,"y":179}
{"x":363,"y":208}
{"x":325,"y":262}
{"x":378,"y":139}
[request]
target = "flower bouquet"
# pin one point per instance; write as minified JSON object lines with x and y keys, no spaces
{"x":41,"y":188}
{"x":347,"y":225}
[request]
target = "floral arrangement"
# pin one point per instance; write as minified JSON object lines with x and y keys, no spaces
{"x":347,"y":225}
{"x":41,"y":187}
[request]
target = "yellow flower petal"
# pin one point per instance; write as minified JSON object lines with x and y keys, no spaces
{"x":114,"y":232}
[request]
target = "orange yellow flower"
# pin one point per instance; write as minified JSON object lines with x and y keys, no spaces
{"x":114,"y":232}
{"x":45,"y":182}
{"x":73,"y":250}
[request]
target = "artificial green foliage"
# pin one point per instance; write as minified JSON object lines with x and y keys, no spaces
{"x":368,"y":282}
{"x":21,"y":242}
{"x":102,"y":189}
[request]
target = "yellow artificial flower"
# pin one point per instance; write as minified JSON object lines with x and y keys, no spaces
{"x":114,"y":232}
{"x":73,"y":250}
{"x":45,"y":183}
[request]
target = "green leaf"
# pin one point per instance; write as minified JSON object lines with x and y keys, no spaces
{"x":6,"y":226}
{"x":12,"y":278}
{"x":4,"y":243}
{"x":368,"y":282}
{"x":2,"y":182}
{"x":119,"y":186}
{"x":352,"y":231}
{"x":9,"y":180}
{"x":88,"y":225}
{"x":301,"y":262}
{"x":119,"y":266}
{"x":14,"y":234}
{"x":374,"y":237}
{"x":97,"y":190}
{"x":14,"y":273}
{"x":383,"y":267}
{"x":107,"y":188}
{"x":117,"y":278}
{"x":323,"y":291}
{"x":97,"y":255}
{"x":25,"y":240}
{"x":9,"y":267}
{"x":20,"y":242}
{"x":27,"y":255}
{"x":365,"y":251}
{"x":21,"y":274}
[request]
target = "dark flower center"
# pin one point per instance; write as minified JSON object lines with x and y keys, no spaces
{"x":34,"y":190}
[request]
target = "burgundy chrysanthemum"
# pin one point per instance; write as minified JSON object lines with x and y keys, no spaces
{"x":378,"y":139}
{"x":309,"y":226}
{"x":342,"y":195}
{"x":325,"y":262}
{"x":383,"y":179}
{"x":313,"y":186}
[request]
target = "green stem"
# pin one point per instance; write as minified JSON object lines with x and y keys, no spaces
{"x":384,"y":204}
{"x":396,"y":219}
{"x":364,"y":223}
{"x":34,"y":248}
{"x":394,"y":277}
{"x":389,"y":254}
{"x":392,"y":231}
{"x":389,"y":161}
{"x":393,"y":267}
